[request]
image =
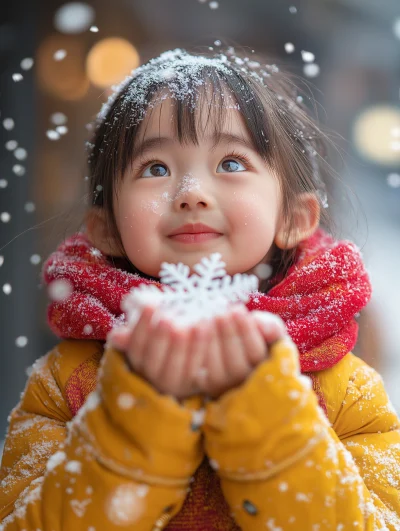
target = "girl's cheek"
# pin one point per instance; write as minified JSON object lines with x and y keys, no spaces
{"x":244,"y":208}
{"x":156,"y":203}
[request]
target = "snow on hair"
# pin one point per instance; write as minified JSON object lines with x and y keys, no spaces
{"x":280,"y":126}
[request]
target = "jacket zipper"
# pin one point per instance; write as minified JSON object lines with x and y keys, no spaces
{"x":160,"y":523}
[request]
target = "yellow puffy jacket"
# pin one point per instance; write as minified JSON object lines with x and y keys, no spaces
{"x":134,"y":459}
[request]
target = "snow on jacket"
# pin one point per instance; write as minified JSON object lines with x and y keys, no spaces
{"x":267,"y":456}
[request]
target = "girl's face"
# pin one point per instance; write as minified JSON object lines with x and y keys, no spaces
{"x":227,"y":187}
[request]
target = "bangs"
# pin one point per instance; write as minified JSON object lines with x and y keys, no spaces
{"x":279,"y":129}
{"x":194,"y":90}
{"x":202,"y":91}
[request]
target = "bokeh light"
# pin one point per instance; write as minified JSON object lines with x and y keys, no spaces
{"x":110,"y":61}
{"x":373,"y":134}
{"x":64,"y":79}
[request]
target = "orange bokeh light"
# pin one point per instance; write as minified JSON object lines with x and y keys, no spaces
{"x":110,"y":61}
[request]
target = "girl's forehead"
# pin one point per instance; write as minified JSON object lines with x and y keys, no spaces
{"x":161,"y":120}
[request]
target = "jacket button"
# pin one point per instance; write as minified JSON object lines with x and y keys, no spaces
{"x":250,"y":508}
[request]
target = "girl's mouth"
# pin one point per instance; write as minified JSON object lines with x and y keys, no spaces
{"x":195,"y":237}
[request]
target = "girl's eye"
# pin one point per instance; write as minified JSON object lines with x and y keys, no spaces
{"x":231,"y":163}
{"x":156,"y":170}
{"x":233,"y":160}
{"x":231,"y":166}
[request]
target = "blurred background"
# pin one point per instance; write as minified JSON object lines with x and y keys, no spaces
{"x":58,"y":61}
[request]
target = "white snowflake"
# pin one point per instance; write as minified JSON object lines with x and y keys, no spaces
{"x":187,"y":299}
{"x":95,"y":252}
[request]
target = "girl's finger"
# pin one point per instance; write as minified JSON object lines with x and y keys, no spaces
{"x":199,"y":340}
{"x":234,"y":356}
{"x":119,"y":338}
{"x":156,"y":350}
{"x":175,"y":362}
{"x":254,"y":344}
{"x":270,"y":325}
{"x":215,"y":375}
{"x":139,"y":339}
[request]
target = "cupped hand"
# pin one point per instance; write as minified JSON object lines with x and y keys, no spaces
{"x":239,"y":342}
{"x":167,"y":357}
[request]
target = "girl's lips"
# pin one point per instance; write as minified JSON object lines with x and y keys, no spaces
{"x":195,"y":237}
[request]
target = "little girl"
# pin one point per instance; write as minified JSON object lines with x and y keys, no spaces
{"x":235,"y":422}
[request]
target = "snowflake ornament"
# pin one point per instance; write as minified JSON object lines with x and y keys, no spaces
{"x":186,"y":299}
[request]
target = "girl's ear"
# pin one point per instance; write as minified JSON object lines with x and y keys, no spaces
{"x":306,"y":217}
{"x":98,"y":233}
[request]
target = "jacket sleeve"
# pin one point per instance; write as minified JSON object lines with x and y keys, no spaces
{"x":283,"y":465}
{"x":126,"y":458}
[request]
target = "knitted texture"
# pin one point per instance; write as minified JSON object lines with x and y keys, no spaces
{"x":317,"y":299}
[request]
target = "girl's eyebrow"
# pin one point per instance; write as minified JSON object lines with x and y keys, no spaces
{"x":216,"y":138}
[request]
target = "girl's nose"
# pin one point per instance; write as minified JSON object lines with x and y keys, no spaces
{"x":192,"y":204}
{"x":191,"y":194}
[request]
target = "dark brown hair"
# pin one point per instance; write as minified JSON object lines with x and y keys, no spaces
{"x":279,"y":124}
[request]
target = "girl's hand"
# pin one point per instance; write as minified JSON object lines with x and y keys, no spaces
{"x":239,"y":342}
{"x":167,"y":357}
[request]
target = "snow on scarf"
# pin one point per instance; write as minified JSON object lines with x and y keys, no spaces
{"x":318,"y":299}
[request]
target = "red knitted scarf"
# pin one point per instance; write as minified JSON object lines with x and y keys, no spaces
{"x":321,"y":293}
{"x":318,"y":299}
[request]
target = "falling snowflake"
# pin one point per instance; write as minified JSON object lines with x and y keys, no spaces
{"x":95,"y":252}
{"x":62,"y":129}
{"x":59,"y":55}
{"x":8,"y":123}
{"x":308,"y":57}
{"x":126,"y":401}
{"x":30,"y":206}
{"x":60,"y":290}
{"x":11,"y":145}
{"x":87,"y":329}
{"x":21,"y":341}
{"x":18,"y":169}
{"x":188,"y":299}
{"x":27,"y":63}
{"x":7,"y":289}
{"x":58,"y":118}
{"x":20,"y":153}
{"x":74,"y":17}
{"x":52,"y":135}
{"x":289,"y":47}
{"x":311,"y":70}
{"x":263,"y":271}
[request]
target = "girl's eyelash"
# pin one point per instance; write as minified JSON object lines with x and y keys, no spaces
{"x":239,"y":156}
{"x":232,"y":154}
